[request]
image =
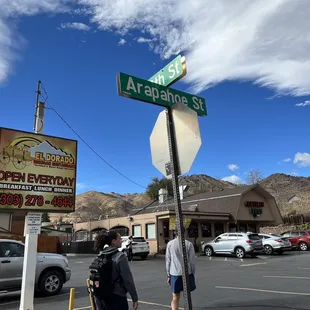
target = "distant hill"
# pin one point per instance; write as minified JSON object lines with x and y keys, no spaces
{"x":292,"y":194}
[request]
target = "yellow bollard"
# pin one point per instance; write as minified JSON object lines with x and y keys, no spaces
{"x":91,"y":299}
{"x":71,"y":300}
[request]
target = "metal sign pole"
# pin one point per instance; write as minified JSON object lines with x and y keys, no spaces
{"x":31,"y":238}
{"x":174,"y":166}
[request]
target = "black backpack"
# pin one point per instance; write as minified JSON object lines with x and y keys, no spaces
{"x":100,"y":278}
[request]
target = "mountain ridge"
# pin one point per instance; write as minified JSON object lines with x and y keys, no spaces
{"x":292,"y":194}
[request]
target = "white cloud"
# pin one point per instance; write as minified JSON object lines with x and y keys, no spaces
{"x":233,"y":179}
{"x":84,"y":187}
{"x":303,"y":104}
{"x":81,"y":186}
{"x":302,"y":159}
{"x":286,"y":160}
{"x":233,"y":167}
{"x":223,"y":40}
{"x":294,"y":173}
{"x":121,"y":42}
{"x":76,"y":26}
{"x":144,"y":40}
{"x":10,"y":41}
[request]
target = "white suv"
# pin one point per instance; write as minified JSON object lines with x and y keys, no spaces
{"x":238,"y":243}
{"x":140,"y":247}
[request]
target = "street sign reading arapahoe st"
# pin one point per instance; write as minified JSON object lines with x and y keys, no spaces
{"x":142,"y":90}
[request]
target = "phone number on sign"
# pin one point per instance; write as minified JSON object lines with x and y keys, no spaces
{"x":18,"y":200}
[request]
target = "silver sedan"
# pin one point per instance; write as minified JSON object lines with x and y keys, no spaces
{"x":275,"y":244}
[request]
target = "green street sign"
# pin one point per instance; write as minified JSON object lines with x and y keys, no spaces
{"x":142,"y":90}
{"x":174,"y":71}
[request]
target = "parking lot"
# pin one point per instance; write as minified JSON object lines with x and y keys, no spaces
{"x":262,"y":283}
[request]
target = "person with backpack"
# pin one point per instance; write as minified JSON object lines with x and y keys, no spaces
{"x":111,"y":278}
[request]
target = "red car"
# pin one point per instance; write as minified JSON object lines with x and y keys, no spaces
{"x":299,"y":238}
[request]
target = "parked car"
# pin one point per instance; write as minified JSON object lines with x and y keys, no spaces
{"x":238,"y":243}
{"x":275,"y":243}
{"x":140,"y":247}
{"x":299,"y":239}
{"x":52,"y":270}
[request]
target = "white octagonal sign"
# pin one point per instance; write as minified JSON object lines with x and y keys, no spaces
{"x":188,"y":139}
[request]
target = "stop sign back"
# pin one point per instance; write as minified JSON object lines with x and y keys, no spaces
{"x":187,"y":136}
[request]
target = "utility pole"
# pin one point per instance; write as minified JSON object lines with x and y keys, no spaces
{"x":39,"y":111}
{"x":31,"y":240}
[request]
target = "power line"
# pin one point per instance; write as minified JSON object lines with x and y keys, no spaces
{"x":85,"y":142}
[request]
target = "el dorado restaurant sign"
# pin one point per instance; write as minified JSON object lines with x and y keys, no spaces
{"x":37,"y":172}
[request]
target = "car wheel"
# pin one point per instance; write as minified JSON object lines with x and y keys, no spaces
{"x":144,"y":256}
{"x":303,"y":246}
{"x":51,"y":282}
{"x":268,"y":249}
{"x":208,"y":251}
{"x":239,"y":252}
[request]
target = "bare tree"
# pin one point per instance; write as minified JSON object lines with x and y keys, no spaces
{"x":254,"y":176}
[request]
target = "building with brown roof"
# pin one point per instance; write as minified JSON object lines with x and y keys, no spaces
{"x":206,"y":215}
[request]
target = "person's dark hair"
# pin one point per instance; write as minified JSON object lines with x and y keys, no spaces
{"x":103,"y":238}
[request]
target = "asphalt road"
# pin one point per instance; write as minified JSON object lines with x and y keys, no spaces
{"x":264,"y":283}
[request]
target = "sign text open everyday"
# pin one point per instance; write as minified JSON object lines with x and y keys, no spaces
{"x":142,"y":90}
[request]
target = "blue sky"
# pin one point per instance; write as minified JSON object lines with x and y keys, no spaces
{"x":255,"y":79}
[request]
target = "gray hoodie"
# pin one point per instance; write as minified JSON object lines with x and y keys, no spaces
{"x":121,"y":275}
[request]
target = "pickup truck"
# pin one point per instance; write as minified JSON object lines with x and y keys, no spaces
{"x":52,"y":270}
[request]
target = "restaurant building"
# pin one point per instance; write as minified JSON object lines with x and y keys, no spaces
{"x":206,"y":215}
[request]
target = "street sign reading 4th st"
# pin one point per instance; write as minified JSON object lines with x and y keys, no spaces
{"x":173,"y":72}
{"x":142,"y":90}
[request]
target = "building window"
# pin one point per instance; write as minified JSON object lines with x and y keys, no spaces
{"x":150,"y":231}
{"x":232,"y":227}
{"x":242,"y":227}
{"x":218,"y":228}
{"x":166,"y":229}
{"x":206,"y":230}
{"x":136,"y":230}
{"x":252,"y":228}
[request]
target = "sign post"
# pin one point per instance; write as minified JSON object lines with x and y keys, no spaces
{"x":174,"y":166}
{"x":31,"y":230}
{"x":155,"y":91}
{"x":179,"y":126}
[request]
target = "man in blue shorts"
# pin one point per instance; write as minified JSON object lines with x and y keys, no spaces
{"x":174,"y":268}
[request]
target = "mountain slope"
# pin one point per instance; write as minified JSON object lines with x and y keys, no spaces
{"x":292,"y":195}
